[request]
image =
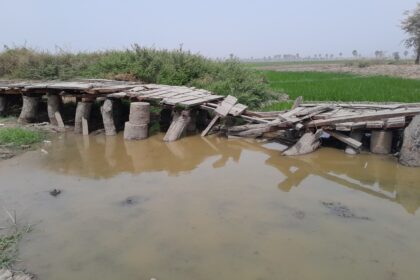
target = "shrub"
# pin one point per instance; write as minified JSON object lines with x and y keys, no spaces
{"x":172,"y":67}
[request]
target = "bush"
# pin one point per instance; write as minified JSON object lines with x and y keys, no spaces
{"x":172,"y":67}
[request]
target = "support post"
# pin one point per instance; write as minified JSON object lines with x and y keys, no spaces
{"x":29,"y":109}
{"x":3,"y":102}
{"x":178,"y":126}
{"x":53,"y":107}
{"x":83,"y":110}
{"x":108,"y":118}
{"x":138,"y":121}
{"x":381,"y":142}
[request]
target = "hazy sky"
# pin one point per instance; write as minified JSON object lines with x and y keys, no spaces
{"x":213,"y":28}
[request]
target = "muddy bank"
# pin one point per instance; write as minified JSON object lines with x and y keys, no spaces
{"x":403,"y":71}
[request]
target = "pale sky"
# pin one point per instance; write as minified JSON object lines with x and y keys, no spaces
{"x":213,"y":28}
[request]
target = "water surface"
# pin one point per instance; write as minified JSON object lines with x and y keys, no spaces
{"x":211,"y":209}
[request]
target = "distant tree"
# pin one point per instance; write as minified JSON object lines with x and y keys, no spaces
{"x":340,"y":54}
{"x":320,"y":56}
{"x":355,"y":53}
{"x":406,"y":53}
{"x":331,"y":56}
{"x":411,"y":26}
{"x":396,"y":55}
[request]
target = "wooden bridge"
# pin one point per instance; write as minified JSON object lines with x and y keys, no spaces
{"x":181,"y":99}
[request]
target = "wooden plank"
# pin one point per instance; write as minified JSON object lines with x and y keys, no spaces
{"x":70,"y":85}
{"x":237,"y":109}
{"x":183,"y":98}
{"x":227,"y":104}
{"x":297,"y":102}
{"x":364,"y":117}
{"x":209,"y":127}
{"x":345,"y":139}
{"x":201,"y":100}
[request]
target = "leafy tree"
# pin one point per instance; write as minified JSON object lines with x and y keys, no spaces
{"x":340,"y":54}
{"x":355,"y":53}
{"x":411,"y":26}
{"x":405,"y":53}
{"x":396,"y":55}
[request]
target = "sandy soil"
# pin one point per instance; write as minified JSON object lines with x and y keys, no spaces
{"x":404,"y":71}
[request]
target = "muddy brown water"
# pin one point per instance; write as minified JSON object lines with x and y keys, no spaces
{"x":211,"y":209}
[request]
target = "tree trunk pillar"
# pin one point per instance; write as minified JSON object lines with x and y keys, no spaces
{"x":53,"y":106}
{"x":108,"y":118}
{"x":29,"y":109}
{"x":381,"y":142}
{"x":81,"y":119}
{"x":138,"y":121}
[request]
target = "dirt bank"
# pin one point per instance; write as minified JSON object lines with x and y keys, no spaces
{"x":403,"y":71}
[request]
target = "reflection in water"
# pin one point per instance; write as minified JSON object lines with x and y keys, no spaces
{"x":211,"y":208}
{"x":105,"y":157}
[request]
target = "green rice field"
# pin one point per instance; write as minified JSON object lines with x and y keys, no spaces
{"x":319,"y":86}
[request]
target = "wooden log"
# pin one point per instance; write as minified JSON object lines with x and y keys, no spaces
{"x":381,"y":142}
{"x":3,"y":103}
{"x":108,"y":118}
{"x":83,"y":110}
{"x":29,"y":109}
{"x":356,"y":135}
{"x":135,"y":131}
{"x":397,"y":122}
{"x":139,"y":113}
{"x":178,"y":126}
{"x":308,"y":143}
{"x":53,"y":106}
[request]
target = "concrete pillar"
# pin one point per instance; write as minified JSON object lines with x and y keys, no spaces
{"x":29,"y":109}
{"x":53,"y":106}
{"x":138,"y":121}
{"x":381,"y":142}
{"x":82,"y":117}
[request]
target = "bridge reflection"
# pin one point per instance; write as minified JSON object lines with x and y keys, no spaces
{"x":105,"y":157}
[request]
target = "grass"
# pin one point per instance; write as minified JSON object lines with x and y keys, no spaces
{"x":317,"y":86}
{"x":8,"y":248}
{"x":19,"y":136}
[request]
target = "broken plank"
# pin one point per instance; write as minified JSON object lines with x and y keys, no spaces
{"x":209,"y":127}
{"x":237,"y":109}
{"x":227,"y":104}
{"x":345,"y":139}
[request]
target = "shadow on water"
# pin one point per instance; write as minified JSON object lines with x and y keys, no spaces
{"x":106,"y":157}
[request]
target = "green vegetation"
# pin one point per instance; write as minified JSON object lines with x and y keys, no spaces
{"x":19,"y":136}
{"x":317,"y":86}
{"x":175,"y":67}
{"x":8,"y":249}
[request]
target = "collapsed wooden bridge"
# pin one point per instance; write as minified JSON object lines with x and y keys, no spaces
{"x":299,"y":128}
